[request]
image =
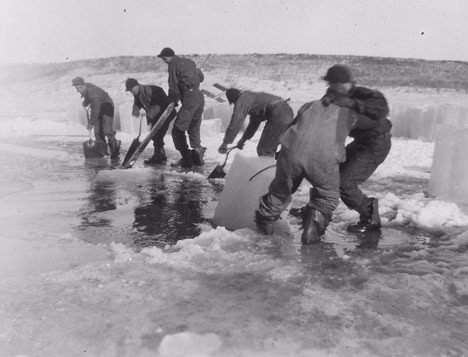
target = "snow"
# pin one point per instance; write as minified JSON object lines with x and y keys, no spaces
{"x":74,"y":281}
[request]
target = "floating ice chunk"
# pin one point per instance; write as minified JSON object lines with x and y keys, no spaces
{"x":189,"y":344}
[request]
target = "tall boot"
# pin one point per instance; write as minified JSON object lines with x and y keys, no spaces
{"x":159,"y":157}
{"x":315,"y":223}
{"x":197,"y":156}
{"x":265,"y":225}
{"x":369,"y":220}
{"x":114,"y":146}
{"x":186,"y":161}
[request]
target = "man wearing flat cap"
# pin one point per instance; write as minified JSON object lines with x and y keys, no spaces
{"x":102,"y":113}
{"x":154,"y":101}
{"x":184,"y":85}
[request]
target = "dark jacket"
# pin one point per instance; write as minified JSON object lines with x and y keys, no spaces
{"x":153,"y":100}
{"x":100,"y":102}
{"x":319,"y":132}
{"x":183,"y":75}
{"x":372,"y":104}
{"x":250,"y":103}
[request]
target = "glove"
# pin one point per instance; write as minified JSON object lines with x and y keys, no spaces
{"x":89,"y":126}
{"x":326,"y":101}
{"x":223,"y":148}
{"x":176,"y":104}
{"x":240,"y":144}
{"x":344,"y":102}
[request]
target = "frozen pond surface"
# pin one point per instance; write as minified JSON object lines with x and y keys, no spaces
{"x":105,"y":262}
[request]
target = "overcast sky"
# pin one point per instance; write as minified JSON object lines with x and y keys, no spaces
{"x":64,"y":30}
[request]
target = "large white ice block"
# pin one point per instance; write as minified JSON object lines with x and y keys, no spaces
{"x":240,"y":197}
{"x":222,"y":111}
{"x":128,"y":123}
{"x":449,"y":174}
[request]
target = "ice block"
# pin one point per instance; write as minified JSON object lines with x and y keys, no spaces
{"x":240,"y":197}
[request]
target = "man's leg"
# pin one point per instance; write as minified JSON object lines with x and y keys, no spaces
{"x":279,"y":193}
{"x":109,"y":132}
{"x":198,"y":151}
{"x":181,"y":125}
{"x":278,"y":121}
{"x":361,"y":162}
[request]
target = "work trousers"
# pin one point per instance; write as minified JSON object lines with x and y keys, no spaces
{"x":280,"y":117}
{"x":362,"y":159}
{"x":104,"y":126}
{"x":189,"y":119}
{"x":290,"y":171}
{"x":158,"y":139}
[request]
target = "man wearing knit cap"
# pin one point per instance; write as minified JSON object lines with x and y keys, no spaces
{"x":312,"y":148}
{"x":154,"y":101}
{"x":102,"y":113}
{"x":367,"y":151}
{"x":261,"y":107}
{"x":184,"y":85}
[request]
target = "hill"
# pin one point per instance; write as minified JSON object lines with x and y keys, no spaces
{"x":288,"y":68}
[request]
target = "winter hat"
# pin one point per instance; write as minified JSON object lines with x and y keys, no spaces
{"x":166,"y":52}
{"x":338,"y":74}
{"x":78,"y":81}
{"x":232,"y":94}
{"x":130,"y":83}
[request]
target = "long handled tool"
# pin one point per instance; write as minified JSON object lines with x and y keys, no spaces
{"x":133,"y":146}
{"x":218,"y":171}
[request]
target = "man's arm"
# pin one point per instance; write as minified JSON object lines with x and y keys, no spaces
{"x":238,"y":117}
{"x":174,"y":94}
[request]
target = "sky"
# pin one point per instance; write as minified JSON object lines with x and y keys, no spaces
{"x":66,"y":30}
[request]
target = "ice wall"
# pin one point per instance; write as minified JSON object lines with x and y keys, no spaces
{"x":129,"y":123}
{"x":420,"y":123}
{"x":449,"y":174}
{"x":77,"y":114}
{"x":222,"y":111}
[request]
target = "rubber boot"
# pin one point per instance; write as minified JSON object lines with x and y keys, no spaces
{"x":370,"y":220}
{"x":315,"y":223}
{"x":114,"y":146}
{"x":186,"y":161}
{"x":197,"y":156}
{"x":265,"y":225}
{"x":159,"y":157}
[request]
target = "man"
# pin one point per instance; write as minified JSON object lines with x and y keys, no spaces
{"x":369,"y":148}
{"x":275,"y":111}
{"x":102,"y":114}
{"x":184,"y":85}
{"x":154,"y":101}
{"x":312,"y":148}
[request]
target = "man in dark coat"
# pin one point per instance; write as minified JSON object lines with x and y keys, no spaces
{"x":154,"y":101}
{"x":312,"y":148}
{"x":184,"y":85}
{"x":369,"y":148}
{"x":102,"y":113}
{"x":273,"y":110}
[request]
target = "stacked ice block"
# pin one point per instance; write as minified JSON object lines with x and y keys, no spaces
{"x":449,"y":174}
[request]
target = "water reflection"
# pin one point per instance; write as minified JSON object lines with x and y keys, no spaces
{"x":170,"y":210}
{"x":101,"y":198}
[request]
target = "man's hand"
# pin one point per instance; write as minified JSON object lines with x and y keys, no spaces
{"x":90,"y":126}
{"x":223,"y":148}
{"x":344,"y":102}
{"x":240,"y":144}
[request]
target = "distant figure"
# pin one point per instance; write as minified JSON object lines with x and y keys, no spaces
{"x":273,"y":110}
{"x":184,"y":85}
{"x":312,"y":148}
{"x":154,"y":101}
{"x":369,"y":148}
{"x":102,"y":114}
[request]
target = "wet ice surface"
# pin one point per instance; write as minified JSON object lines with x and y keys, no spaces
{"x":117,"y":282}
